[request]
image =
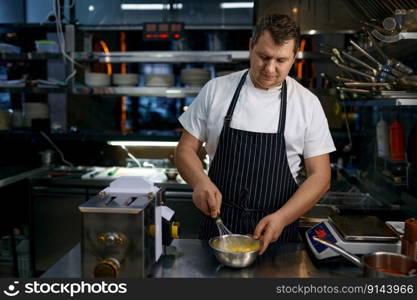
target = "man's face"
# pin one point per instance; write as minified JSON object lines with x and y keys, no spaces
{"x":270,"y":63}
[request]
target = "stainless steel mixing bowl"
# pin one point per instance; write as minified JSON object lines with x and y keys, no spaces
{"x":235,"y":259}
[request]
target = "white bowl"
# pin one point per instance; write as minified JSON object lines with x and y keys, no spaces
{"x":195,"y":77}
{"x":95,"y":79}
{"x":224,"y":73}
{"x":127,"y":79}
{"x":159,"y":80}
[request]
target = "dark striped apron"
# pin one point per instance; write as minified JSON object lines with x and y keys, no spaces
{"x":251,"y":171}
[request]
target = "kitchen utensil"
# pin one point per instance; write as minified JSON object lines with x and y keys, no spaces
{"x":408,"y":81}
{"x":239,"y":251}
{"x":338,"y":55}
{"x":344,"y":79}
{"x":378,"y":264}
{"x":223,"y":230}
{"x":383,"y":70}
{"x":352,"y":70}
{"x":352,"y":90}
{"x":367,"y":84}
{"x":398,"y":66}
{"x":361,"y":63}
{"x":366,"y":54}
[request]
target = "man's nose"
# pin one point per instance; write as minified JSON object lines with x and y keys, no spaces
{"x":270,"y":66}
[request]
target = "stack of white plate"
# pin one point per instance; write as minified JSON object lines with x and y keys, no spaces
{"x":223,"y":73}
{"x":128,"y":79}
{"x":35,"y":110}
{"x":163,"y":80}
{"x":95,"y":79}
{"x":195,"y":77}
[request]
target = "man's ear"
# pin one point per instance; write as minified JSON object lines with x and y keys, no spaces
{"x":250,"y":44}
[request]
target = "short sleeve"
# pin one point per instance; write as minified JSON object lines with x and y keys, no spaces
{"x":194,"y":119}
{"x":317,"y":140}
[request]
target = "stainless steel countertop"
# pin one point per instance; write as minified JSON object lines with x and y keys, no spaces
{"x":192,"y":258}
{"x":15,"y":174}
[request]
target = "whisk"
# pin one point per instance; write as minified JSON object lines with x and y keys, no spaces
{"x":221,"y":227}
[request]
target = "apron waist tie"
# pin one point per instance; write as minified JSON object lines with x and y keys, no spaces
{"x":248,"y":210}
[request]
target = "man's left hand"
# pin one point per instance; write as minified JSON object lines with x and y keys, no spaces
{"x":268,"y":230}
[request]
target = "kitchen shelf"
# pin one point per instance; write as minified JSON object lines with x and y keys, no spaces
{"x":29,"y":56}
{"x":175,"y":56}
{"x":383,"y":102}
{"x":163,"y":56}
{"x":169,"y":92}
{"x":33,"y":90}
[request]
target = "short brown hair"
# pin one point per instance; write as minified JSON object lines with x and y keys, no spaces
{"x":281,"y":27}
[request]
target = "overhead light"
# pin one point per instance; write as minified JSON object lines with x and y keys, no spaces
{"x":312,"y":31}
{"x":153,"y":6}
{"x":143,"y":143}
{"x":231,"y":5}
{"x":173,"y":91}
{"x":91,"y":8}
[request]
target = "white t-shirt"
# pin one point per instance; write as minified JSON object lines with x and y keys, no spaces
{"x":306,"y":129}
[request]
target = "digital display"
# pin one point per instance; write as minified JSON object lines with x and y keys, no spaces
{"x":162,"y":31}
{"x":322,"y":232}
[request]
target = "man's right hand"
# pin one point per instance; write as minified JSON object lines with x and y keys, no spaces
{"x":207,"y":198}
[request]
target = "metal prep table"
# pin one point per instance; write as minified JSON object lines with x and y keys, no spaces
{"x":191,"y":258}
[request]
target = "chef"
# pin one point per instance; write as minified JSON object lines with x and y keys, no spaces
{"x":257,"y":125}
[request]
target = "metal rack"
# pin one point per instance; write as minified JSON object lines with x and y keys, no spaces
{"x":33,"y":90}
{"x":175,"y":56}
{"x":168,"y":92}
{"x":162,"y":56}
{"x":383,"y":102}
{"x":29,"y":56}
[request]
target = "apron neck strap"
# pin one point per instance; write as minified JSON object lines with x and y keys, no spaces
{"x":228,"y":117}
{"x":283,"y":111}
